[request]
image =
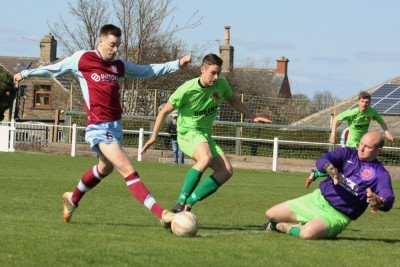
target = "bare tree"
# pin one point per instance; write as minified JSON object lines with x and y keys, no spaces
{"x":323,"y":99}
{"x":91,"y":15}
{"x":148,"y":37}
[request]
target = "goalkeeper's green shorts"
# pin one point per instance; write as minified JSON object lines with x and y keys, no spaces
{"x":314,"y":205}
{"x":189,"y":141}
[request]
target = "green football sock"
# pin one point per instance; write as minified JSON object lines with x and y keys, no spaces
{"x":206,"y":188}
{"x":192,"y":179}
{"x":319,"y":174}
{"x":294,"y":231}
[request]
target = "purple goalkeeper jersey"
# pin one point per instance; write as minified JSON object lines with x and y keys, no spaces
{"x":349,"y":197}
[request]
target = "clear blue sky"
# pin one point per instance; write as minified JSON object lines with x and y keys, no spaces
{"x":338,"y":45}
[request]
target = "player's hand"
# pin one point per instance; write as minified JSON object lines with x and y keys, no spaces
{"x":17,"y":79}
{"x":375,"y":202}
{"x":147,"y":145}
{"x":389,"y":136}
{"x":332,"y":140}
{"x":333,"y":173}
{"x":184,"y":61}
{"x":261,"y":120}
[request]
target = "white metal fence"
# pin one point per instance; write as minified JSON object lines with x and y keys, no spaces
{"x":34,"y":136}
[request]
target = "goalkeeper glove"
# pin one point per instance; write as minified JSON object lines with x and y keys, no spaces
{"x":333,"y":173}
{"x":375,"y":202}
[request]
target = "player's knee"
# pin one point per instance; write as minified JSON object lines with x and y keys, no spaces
{"x":229,"y":172}
{"x":308,"y":233}
{"x":270,"y":214}
{"x":106,"y":170}
{"x":206,"y":160}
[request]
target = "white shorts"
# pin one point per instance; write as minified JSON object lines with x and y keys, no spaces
{"x":104,"y":132}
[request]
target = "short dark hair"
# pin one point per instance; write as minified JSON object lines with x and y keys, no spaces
{"x":110,"y":29}
{"x":212,"y":59}
{"x":364,"y":95}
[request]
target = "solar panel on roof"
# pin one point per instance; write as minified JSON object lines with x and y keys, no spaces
{"x":386,"y":104}
{"x":395,"y":109}
{"x":381,"y":93}
{"x":386,"y":99}
{"x":395,"y":94}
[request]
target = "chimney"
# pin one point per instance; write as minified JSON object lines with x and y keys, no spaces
{"x":282,"y":66}
{"x":48,"y":49}
{"x":281,"y":70}
{"x":226,"y":52}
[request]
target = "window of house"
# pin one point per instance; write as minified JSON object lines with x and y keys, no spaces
{"x":42,"y":96}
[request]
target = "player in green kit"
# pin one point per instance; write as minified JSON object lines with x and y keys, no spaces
{"x":358,"y":120}
{"x":197,"y":102}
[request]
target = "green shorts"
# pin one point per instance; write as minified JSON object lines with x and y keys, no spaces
{"x":314,"y":205}
{"x":190,"y":140}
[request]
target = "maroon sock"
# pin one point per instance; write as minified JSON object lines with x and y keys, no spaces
{"x":140,"y":192}
{"x":88,"y":181}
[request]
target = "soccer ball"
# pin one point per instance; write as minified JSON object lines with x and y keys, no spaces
{"x":185,"y":223}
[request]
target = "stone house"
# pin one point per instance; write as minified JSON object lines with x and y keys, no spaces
{"x":40,"y":99}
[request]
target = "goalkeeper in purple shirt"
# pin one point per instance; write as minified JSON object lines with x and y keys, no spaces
{"x":356,"y":180}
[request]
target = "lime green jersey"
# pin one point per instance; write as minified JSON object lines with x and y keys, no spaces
{"x":198,"y":106}
{"x":358,"y":123}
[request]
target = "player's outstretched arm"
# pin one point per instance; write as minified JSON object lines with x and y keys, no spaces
{"x":168,"y":108}
{"x":239,"y":106}
{"x":261,"y":120}
{"x":184,"y":61}
{"x":332,"y":139}
{"x":387,"y":132}
{"x":17,"y":79}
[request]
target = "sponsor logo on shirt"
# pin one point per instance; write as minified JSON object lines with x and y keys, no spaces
{"x":361,"y":126}
{"x":206,"y":112}
{"x":349,"y":185}
{"x":95,"y":77}
{"x":104,"y":77}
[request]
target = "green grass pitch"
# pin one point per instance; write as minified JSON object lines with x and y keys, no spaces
{"x":110,"y":228}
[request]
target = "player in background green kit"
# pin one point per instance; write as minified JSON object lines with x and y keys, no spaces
{"x":197,"y":101}
{"x":358,"y":120}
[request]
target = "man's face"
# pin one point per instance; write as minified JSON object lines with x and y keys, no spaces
{"x":363,"y":104}
{"x":368,"y":149}
{"x":209,"y":74}
{"x":108,"y":46}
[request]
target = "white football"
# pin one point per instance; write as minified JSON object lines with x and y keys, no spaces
{"x":185,"y":223}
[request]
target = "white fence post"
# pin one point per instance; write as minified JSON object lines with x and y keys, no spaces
{"x":140,"y":145}
{"x":4,"y":138}
{"x":73,"y":143}
{"x":12,"y":136}
{"x":275,"y":155}
{"x":238,"y":144}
